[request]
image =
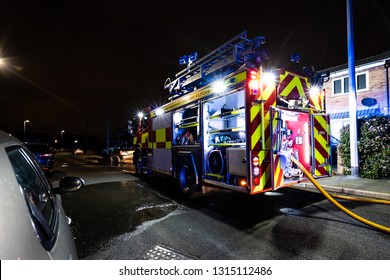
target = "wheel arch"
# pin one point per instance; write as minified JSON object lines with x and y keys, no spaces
{"x":188,"y":155}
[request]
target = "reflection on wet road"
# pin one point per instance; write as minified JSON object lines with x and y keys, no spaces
{"x":111,"y":209}
{"x":118,"y":216}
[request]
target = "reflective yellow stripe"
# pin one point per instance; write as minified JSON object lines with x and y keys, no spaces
{"x":255,"y":137}
{"x":255,"y":109}
{"x":144,"y":137}
{"x":160,"y":135}
{"x":199,"y":94}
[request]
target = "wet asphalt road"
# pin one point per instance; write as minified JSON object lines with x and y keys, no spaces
{"x":120,"y":216}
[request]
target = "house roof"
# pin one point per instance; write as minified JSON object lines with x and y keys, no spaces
{"x":364,"y":61}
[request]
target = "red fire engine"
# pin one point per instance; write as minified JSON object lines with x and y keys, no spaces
{"x":233,"y":123}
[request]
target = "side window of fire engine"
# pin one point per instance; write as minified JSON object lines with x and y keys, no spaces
{"x":186,"y":126}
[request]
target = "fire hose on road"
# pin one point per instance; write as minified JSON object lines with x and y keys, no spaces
{"x":338,"y":205}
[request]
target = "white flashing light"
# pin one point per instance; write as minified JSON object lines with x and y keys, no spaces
{"x":314,"y":90}
{"x":140,"y":115}
{"x":219,"y":86}
{"x":159,"y":111}
{"x":269,"y":78}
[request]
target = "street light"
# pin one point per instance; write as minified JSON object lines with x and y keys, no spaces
{"x":24,"y":129}
{"x":62,"y":138}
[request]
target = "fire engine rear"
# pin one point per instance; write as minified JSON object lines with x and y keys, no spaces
{"x":233,"y":122}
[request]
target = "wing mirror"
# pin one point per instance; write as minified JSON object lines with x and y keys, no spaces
{"x":71,"y":184}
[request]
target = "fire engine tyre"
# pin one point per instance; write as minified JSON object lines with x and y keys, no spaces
{"x":186,"y":178}
{"x":139,"y":167}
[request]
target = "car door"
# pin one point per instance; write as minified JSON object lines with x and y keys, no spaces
{"x":44,"y":206}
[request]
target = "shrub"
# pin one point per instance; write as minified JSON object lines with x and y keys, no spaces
{"x":344,"y":150}
{"x":373,"y":148}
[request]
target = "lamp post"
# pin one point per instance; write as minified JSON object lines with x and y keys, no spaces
{"x":24,"y":129}
{"x":62,"y":138}
{"x":352,"y":93}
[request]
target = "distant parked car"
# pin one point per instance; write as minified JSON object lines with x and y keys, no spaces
{"x":78,"y":151}
{"x":44,"y":155}
{"x":121,"y":153}
{"x":32,"y":220}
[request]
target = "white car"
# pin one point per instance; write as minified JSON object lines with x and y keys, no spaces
{"x":32,"y":221}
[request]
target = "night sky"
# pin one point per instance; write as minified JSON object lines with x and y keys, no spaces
{"x":72,"y":61}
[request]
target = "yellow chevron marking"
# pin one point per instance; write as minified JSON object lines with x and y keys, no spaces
{"x":255,"y":137}
{"x":268,"y":91}
{"x":277,"y":170}
{"x":255,"y":109}
{"x":283,"y":76}
{"x":295,"y":82}
{"x":321,"y":139}
{"x":315,"y":102}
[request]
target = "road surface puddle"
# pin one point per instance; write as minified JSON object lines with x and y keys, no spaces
{"x":101,"y":212}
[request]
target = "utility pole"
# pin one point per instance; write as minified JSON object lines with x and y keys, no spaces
{"x":24,"y":129}
{"x":108,"y":128}
{"x":352,"y":93}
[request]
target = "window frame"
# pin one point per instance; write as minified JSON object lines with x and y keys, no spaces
{"x":40,"y":199}
{"x":342,"y":79}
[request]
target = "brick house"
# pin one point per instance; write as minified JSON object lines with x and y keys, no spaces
{"x":371,"y":89}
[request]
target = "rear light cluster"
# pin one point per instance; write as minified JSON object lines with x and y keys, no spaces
{"x":256,"y":170}
{"x":45,"y":155}
{"x":254,"y":83}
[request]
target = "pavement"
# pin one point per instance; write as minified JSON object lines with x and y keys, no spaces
{"x":351,"y":185}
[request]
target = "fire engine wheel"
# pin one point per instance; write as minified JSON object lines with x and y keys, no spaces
{"x":139,"y":166}
{"x":186,"y":178}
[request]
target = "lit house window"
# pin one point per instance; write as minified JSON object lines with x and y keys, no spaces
{"x":341,"y":85}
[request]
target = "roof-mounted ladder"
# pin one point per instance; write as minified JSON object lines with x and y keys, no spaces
{"x":225,"y":59}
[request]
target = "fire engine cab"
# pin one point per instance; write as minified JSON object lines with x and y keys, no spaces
{"x":233,"y":123}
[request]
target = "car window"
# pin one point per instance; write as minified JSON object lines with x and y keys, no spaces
{"x":37,"y":190}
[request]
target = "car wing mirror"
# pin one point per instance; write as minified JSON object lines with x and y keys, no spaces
{"x":71,"y":184}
